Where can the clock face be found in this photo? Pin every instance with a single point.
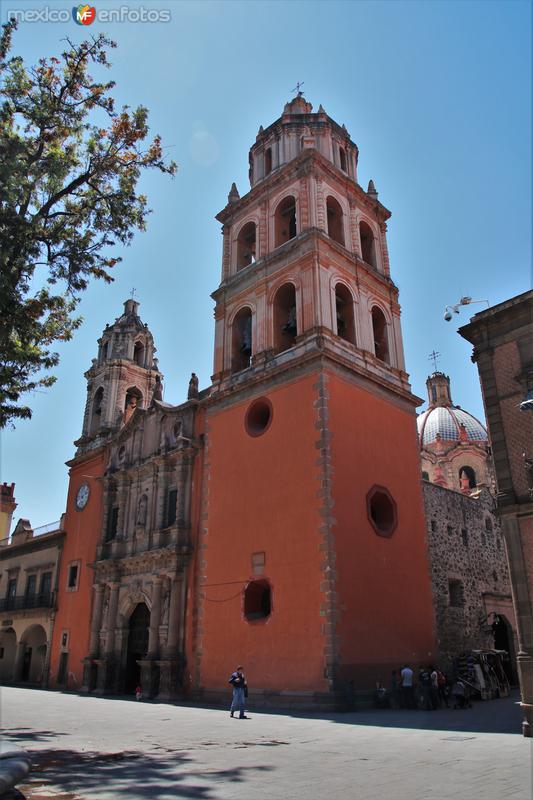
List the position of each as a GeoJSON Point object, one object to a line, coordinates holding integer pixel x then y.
{"type": "Point", "coordinates": [82, 496]}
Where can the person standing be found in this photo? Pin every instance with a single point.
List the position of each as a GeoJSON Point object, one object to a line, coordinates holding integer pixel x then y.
{"type": "Point", "coordinates": [240, 690]}
{"type": "Point", "coordinates": [407, 696]}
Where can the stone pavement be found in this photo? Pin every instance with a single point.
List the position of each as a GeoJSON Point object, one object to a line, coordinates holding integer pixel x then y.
{"type": "Point", "coordinates": [108, 749]}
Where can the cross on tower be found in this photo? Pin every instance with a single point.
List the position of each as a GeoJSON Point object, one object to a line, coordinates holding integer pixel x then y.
{"type": "Point", "coordinates": [297, 88]}
{"type": "Point", "coordinates": [133, 292]}
{"type": "Point", "coordinates": [434, 356]}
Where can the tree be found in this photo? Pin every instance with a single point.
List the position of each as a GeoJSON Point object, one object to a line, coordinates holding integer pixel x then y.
{"type": "Point", "coordinates": [69, 167]}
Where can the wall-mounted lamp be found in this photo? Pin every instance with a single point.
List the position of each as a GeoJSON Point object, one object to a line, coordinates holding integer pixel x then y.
{"type": "Point", "coordinates": [464, 301]}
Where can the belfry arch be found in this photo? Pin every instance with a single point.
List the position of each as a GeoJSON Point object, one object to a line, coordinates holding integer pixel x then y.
{"type": "Point", "coordinates": [246, 245]}
{"type": "Point", "coordinates": [379, 329]}
{"type": "Point", "coordinates": [285, 318]}
{"type": "Point", "coordinates": [344, 313]}
{"type": "Point", "coordinates": [241, 340]}
{"type": "Point", "coordinates": [368, 248]}
{"type": "Point", "coordinates": [285, 221]}
{"type": "Point", "coordinates": [335, 220]}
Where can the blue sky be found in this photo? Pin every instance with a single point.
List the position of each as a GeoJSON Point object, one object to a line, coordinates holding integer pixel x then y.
{"type": "Point", "coordinates": [437, 96]}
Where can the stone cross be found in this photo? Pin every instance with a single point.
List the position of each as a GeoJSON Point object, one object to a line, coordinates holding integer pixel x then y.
{"type": "Point", "coordinates": [297, 88]}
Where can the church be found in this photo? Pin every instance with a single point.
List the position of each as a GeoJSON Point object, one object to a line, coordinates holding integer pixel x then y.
{"type": "Point", "coordinates": [275, 518]}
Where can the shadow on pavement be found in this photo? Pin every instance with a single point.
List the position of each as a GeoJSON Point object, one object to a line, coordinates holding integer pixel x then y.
{"type": "Point", "coordinates": [67, 774]}
{"type": "Point", "coordinates": [28, 735]}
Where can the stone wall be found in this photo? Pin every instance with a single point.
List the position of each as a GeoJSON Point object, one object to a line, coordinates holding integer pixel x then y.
{"type": "Point", "coordinates": [469, 572]}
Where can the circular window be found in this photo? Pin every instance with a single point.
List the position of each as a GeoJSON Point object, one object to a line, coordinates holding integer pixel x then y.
{"type": "Point", "coordinates": [258, 417]}
{"type": "Point", "coordinates": [381, 509]}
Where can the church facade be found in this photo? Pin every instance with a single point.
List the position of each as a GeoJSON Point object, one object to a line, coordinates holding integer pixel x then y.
{"type": "Point", "coordinates": [269, 519]}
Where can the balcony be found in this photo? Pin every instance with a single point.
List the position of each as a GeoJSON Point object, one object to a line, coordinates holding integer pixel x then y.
{"type": "Point", "coordinates": [25, 602]}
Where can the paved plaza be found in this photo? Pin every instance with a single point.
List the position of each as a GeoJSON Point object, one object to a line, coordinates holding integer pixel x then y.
{"type": "Point", "coordinates": [97, 749]}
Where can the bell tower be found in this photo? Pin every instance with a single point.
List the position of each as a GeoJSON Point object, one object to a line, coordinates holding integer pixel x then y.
{"type": "Point", "coordinates": [123, 376]}
{"type": "Point", "coordinates": [305, 261]}
{"type": "Point", "coordinates": [312, 480]}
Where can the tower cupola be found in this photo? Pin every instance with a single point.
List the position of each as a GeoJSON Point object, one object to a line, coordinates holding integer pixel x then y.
{"type": "Point", "coordinates": [122, 377]}
{"type": "Point", "coordinates": [297, 129]}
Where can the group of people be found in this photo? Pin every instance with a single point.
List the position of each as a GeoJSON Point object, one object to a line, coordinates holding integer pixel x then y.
{"type": "Point", "coordinates": [431, 690]}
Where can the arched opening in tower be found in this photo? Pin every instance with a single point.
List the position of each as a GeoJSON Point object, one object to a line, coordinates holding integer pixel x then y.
{"type": "Point", "coordinates": [342, 156]}
{"type": "Point", "coordinates": [96, 410]}
{"type": "Point", "coordinates": [285, 221]}
{"type": "Point", "coordinates": [138, 354]}
{"type": "Point", "coordinates": [344, 312]}
{"type": "Point", "coordinates": [268, 161]}
{"type": "Point", "coordinates": [285, 321]}
{"type": "Point", "coordinates": [335, 222]}
{"type": "Point", "coordinates": [379, 328]}
{"type": "Point", "coordinates": [241, 340]}
{"type": "Point", "coordinates": [246, 246]}
{"type": "Point", "coordinates": [368, 250]}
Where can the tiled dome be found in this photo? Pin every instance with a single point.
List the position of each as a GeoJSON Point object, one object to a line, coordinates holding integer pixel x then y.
{"type": "Point", "coordinates": [447, 420]}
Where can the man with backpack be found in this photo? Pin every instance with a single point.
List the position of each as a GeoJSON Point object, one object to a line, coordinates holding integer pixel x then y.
{"type": "Point", "coordinates": [240, 691]}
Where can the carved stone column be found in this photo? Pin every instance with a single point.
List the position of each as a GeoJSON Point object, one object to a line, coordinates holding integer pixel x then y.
{"type": "Point", "coordinates": [96, 621]}
{"type": "Point", "coordinates": [155, 619]}
{"type": "Point", "coordinates": [171, 666]}
{"type": "Point", "coordinates": [106, 665]}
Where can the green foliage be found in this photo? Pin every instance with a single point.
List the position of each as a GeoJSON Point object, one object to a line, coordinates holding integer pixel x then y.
{"type": "Point", "coordinates": [68, 193]}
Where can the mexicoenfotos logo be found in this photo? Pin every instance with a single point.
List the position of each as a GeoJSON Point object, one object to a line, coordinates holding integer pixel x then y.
{"type": "Point", "coordinates": [84, 15]}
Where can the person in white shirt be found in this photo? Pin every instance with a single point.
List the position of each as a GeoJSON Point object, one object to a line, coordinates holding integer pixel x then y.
{"type": "Point", "coordinates": [406, 686]}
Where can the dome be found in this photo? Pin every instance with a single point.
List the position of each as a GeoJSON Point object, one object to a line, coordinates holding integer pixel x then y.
{"type": "Point", "coordinates": [447, 420]}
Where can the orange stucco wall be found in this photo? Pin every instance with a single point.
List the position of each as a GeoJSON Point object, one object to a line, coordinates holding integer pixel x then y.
{"type": "Point", "coordinates": [386, 614]}
{"type": "Point", "coordinates": [265, 495]}
{"type": "Point", "coordinates": [262, 498]}
{"type": "Point", "coordinates": [83, 529]}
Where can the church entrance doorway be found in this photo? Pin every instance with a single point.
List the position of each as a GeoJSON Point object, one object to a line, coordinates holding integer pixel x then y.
{"type": "Point", "coordinates": [137, 646]}
{"type": "Point", "coordinates": [503, 640]}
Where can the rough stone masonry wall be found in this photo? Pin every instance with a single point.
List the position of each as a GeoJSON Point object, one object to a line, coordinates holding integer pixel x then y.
{"type": "Point", "coordinates": [461, 548]}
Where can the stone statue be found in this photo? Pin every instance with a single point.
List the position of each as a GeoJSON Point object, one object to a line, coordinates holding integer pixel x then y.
{"type": "Point", "coordinates": [158, 389]}
{"type": "Point", "coordinates": [141, 510]}
{"type": "Point", "coordinates": [192, 394]}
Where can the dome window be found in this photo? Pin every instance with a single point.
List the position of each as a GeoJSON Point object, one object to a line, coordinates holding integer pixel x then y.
{"type": "Point", "coordinates": [467, 474]}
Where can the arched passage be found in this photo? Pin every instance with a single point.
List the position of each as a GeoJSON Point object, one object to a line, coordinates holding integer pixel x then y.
{"type": "Point", "coordinates": [138, 626]}
{"type": "Point", "coordinates": [503, 640]}
{"type": "Point", "coordinates": [133, 398]}
{"type": "Point", "coordinates": [241, 340]}
{"type": "Point", "coordinates": [8, 649]}
{"type": "Point", "coordinates": [285, 221]}
{"type": "Point", "coordinates": [368, 250]}
{"type": "Point", "coordinates": [335, 220]}
{"type": "Point", "coordinates": [246, 245]}
{"type": "Point", "coordinates": [285, 320]}
{"type": "Point", "coordinates": [34, 656]}
{"type": "Point", "coordinates": [344, 312]}
{"type": "Point", "coordinates": [379, 329]}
